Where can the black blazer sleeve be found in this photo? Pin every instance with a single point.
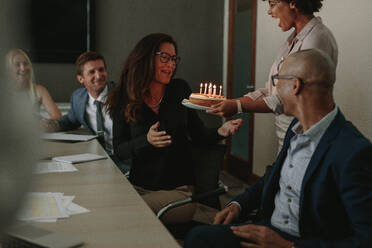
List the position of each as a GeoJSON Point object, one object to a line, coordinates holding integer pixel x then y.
{"type": "Point", "coordinates": [126, 146]}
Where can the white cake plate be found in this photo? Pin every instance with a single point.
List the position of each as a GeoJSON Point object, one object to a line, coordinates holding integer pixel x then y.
{"type": "Point", "coordinates": [188, 104]}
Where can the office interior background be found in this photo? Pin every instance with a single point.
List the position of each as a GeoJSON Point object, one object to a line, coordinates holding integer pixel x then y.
{"type": "Point", "coordinates": [200, 29]}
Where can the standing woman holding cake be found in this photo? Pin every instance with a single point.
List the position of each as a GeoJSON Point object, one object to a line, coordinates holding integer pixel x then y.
{"type": "Point", "coordinates": [153, 128]}
{"type": "Point", "coordinates": [309, 32]}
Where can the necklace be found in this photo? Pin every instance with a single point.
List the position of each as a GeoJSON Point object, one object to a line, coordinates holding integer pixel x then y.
{"type": "Point", "coordinates": [156, 105]}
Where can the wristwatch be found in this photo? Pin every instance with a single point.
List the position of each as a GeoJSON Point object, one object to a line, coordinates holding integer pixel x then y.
{"type": "Point", "coordinates": [239, 107]}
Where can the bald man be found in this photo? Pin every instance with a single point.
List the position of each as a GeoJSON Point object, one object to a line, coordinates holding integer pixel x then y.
{"type": "Point", "coordinates": [319, 192]}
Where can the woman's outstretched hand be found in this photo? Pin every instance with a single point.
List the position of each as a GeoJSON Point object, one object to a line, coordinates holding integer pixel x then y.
{"type": "Point", "coordinates": [225, 108]}
{"type": "Point", "coordinates": [158, 138]}
{"type": "Point", "coordinates": [230, 127]}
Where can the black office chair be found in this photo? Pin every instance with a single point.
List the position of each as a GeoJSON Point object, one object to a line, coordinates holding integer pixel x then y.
{"type": "Point", "coordinates": [180, 231]}
{"type": "Point", "coordinates": [202, 197]}
{"type": "Point", "coordinates": [208, 162]}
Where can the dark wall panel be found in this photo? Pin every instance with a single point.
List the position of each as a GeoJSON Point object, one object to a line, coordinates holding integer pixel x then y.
{"type": "Point", "coordinates": [196, 25]}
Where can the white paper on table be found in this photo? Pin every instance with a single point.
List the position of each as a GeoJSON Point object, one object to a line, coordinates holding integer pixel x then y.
{"type": "Point", "coordinates": [42, 206]}
{"type": "Point", "coordinates": [45, 220]}
{"type": "Point", "coordinates": [53, 166]}
{"type": "Point", "coordinates": [74, 208]}
{"type": "Point", "coordinates": [67, 200]}
{"type": "Point", "coordinates": [71, 209]}
{"type": "Point", "coordinates": [67, 137]}
{"type": "Point", "coordinates": [79, 158]}
{"type": "Point", "coordinates": [38, 207]}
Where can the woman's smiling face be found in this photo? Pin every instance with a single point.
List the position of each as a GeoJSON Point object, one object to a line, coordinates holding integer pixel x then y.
{"type": "Point", "coordinates": [21, 70]}
{"type": "Point", "coordinates": [164, 71]}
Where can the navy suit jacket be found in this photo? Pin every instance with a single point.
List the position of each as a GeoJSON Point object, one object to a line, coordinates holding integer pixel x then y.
{"type": "Point", "coordinates": [336, 193]}
{"type": "Point", "coordinates": [76, 115]}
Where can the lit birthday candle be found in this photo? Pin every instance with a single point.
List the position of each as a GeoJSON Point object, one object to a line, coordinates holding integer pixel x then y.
{"type": "Point", "coordinates": [214, 90]}
{"type": "Point", "coordinates": [220, 91]}
{"type": "Point", "coordinates": [210, 89]}
{"type": "Point", "coordinates": [201, 88]}
{"type": "Point", "coordinates": [205, 88]}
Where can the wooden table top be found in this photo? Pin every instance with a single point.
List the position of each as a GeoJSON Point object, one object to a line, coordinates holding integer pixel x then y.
{"type": "Point", "coordinates": [118, 216]}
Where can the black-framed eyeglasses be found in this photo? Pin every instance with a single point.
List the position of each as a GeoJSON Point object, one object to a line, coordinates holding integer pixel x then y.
{"type": "Point", "coordinates": [275, 78]}
{"type": "Point", "coordinates": [165, 57]}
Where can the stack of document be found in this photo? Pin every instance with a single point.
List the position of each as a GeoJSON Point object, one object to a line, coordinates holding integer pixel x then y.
{"type": "Point", "coordinates": [78, 158]}
{"type": "Point", "coordinates": [49, 207]}
{"type": "Point", "coordinates": [67, 137]}
{"type": "Point", "coordinates": [53, 166]}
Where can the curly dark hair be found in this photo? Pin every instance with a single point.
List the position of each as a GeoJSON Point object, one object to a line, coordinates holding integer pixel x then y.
{"type": "Point", "coordinates": [136, 75]}
{"type": "Point", "coordinates": [306, 7]}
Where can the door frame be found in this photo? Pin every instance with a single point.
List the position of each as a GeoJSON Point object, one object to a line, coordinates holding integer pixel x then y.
{"type": "Point", "coordinates": [234, 164]}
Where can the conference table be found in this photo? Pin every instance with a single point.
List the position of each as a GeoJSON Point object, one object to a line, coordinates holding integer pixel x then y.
{"type": "Point", "coordinates": [118, 216]}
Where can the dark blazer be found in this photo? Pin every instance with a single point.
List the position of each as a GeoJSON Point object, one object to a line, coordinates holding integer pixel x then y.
{"type": "Point", "coordinates": [76, 115]}
{"type": "Point", "coordinates": [168, 167]}
{"type": "Point", "coordinates": [336, 195]}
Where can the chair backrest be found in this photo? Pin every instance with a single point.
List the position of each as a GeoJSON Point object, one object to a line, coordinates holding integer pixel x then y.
{"type": "Point", "coordinates": [208, 162]}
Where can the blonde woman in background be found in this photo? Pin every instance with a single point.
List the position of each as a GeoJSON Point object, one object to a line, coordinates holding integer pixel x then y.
{"type": "Point", "coordinates": [22, 74]}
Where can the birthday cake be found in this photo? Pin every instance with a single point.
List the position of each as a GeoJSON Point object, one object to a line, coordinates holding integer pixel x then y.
{"type": "Point", "coordinates": [205, 100]}
{"type": "Point", "coordinates": [208, 96]}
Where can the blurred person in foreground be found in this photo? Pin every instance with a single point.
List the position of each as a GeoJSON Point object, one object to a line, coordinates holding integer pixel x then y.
{"type": "Point", "coordinates": [19, 150]}
{"type": "Point", "coordinates": [319, 192]}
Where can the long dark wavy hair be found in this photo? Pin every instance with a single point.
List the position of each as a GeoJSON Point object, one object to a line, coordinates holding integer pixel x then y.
{"type": "Point", "coordinates": [136, 75]}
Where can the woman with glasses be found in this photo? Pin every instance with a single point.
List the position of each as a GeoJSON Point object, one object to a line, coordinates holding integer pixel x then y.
{"type": "Point", "coordinates": [308, 32]}
{"type": "Point", "coordinates": [153, 128]}
{"type": "Point", "coordinates": [22, 75]}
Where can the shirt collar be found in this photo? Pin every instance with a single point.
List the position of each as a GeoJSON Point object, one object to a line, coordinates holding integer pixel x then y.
{"type": "Point", "coordinates": [308, 27]}
{"type": "Point", "coordinates": [316, 132]}
{"type": "Point", "coordinates": [101, 98]}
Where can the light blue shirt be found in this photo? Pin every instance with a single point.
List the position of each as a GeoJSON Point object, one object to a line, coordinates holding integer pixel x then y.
{"type": "Point", "coordinates": [302, 146]}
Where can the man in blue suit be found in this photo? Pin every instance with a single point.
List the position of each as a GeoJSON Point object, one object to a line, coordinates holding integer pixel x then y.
{"type": "Point", "coordinates": [319, 192]}
{"type": "Point", "coordinates": [87, 104]}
